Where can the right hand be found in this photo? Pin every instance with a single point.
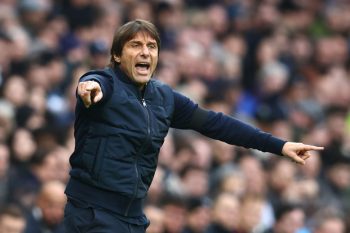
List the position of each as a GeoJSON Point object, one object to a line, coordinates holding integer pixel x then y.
{"type": "Point", "coordinates": [90, 92]}
{"type": "Point", "coordinates": [298, 152]}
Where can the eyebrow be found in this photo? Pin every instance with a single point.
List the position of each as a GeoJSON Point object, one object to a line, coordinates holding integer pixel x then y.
{"type": "Point", "coordinates": [139, 41]}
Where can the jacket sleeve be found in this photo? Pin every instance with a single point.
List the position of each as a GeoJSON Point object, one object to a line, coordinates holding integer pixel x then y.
{"type": "Point", "coordinates": [184, 109]}
{"type": "Point", "coordinates": [187, 115]}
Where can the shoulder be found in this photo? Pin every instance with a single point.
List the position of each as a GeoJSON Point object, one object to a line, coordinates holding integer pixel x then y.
{"type": "Point", "coordinates": [156, 83]}
{"type": "Point", "coordinates": [162, 87]}
{"type": "Point", "coordinates": [98, 74]}
{"type": "Point", "coordinates": [163, 92]}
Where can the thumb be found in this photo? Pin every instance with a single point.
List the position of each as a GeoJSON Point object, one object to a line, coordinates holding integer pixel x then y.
{"type": "Point", "coordinates": [295, 158]}
{"type": "Point", "coordinates": [98, 97]}
{"type": "Point", "coordinates": [86, 98]}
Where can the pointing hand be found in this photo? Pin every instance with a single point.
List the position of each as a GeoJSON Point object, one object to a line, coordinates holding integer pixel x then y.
{"type": "Point", "coordinates": [90, 92]}
{"type": "Point", "coordinates": [298, 152]}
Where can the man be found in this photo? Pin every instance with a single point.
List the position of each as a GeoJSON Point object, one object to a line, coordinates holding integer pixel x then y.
{"type": "Point", "coordinates": [289, 219]}
{"type": "Point", "coordinates": [198, 215]}
{"type": "Point", "coordinates": [225, 214]}
{"type": "Point", "coordinates": [122, 118]}
{"type": "Point", "coordinates": [330, 224]}
{"type": "Point", "coordinates": [12, 220]}
{"type": "Point", "coordinates": [330, 219]}
{"type": "Point", "coordinates": [156, 217]}
{"type": "Point", "coordinates": [47, 214]}
{"type": "Point", "coordinates": [4, 173]}
{"type": "Point", "coordinates": [175, 212]}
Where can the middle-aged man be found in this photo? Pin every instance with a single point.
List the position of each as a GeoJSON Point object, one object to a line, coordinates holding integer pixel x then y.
{"type": "Point", "coordinates": [122, 118]}
{"type": "Point", "coordinates": [12, 219]}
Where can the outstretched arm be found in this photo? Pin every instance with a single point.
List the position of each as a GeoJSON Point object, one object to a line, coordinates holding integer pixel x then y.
{"type": "Point", "coordinates": [218, 126]}
{"type": "Point", "coordinates": [298, 152]}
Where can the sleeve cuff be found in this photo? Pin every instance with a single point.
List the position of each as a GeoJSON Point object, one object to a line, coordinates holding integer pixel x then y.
{"type": "Point", "coordinates": [276, 145]}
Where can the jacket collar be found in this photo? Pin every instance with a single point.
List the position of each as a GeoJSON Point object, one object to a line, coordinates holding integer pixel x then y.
{"type": "Point", "coordinates": [122, 76]}
{"type": "Point", "coordinates": [125, 79]}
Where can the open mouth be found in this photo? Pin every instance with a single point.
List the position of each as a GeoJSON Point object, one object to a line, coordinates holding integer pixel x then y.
{"type": "Point", "coordinates": [142, 67]}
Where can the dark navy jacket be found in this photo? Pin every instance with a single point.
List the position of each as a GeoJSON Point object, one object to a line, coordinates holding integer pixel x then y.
{"type": "Point", "coordinates": [118, 139]}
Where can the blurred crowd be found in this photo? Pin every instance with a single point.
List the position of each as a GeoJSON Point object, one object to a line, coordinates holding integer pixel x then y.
{"type": "Point", "coordinates": [280, 65]}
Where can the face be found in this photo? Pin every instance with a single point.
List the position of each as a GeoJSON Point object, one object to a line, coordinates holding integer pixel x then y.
{"type": "Point", "coordinates": [156, 218]}
{"type": "Point", "coordinates": [174, 217]}
{"type": "Point", "coordinates": [291, 222]}
{"type": "Point", "coordinates": [11, 224]}
{"type": "Point", "coordinates": [226, 211]}
{"type": "Point", "coordinates": [332, 225]}
{"type": "Point", "coordinates": [139, 58]}
{"type": "Point", "coordinates": [51, 202]}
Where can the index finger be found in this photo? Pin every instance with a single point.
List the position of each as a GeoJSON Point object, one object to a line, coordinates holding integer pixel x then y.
{"type": "Point", "coordinates": [91, 85]}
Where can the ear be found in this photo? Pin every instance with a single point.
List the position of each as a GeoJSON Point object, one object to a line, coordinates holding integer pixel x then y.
{"type": "Point", "coordinates": [116, 58]}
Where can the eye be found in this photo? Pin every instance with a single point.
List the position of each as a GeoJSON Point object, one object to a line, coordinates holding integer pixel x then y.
{"type": "Point", "coordinates": [152, 46]}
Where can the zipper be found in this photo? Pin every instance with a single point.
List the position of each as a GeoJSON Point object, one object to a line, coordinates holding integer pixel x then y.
{"type": "Point", "coordinates": [143, 101]}
{"type": "Point", "coordinates": [144, 104]}
{"type": "Point", "coordinates": [148, 120]}
{"type": "Point", "coordinates": [148, 137]}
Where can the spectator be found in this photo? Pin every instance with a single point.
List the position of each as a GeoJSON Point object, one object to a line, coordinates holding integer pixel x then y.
{"type": "Point", "coordinates": [194, 181]}
{"type": "Point", "coordinates": [156, 218]}
{"type": "Point", "coordinates": [47, 214]}
{"type": "Point", "coordinates": [26, 183]}
{"type": "Point", "coordinates": [23, 147]}
{"type": "Point", "coordinates": [251, 211]}
{"type": "Point", "coordinates": [174, 214]}
{"type": "Point", "coordinates": [198, 215]}
{"type": "Point", "coordinates": [12, 220]}
{"type": "Point", "coordinates": [157, 188]}
{"type": "Point", "coordinates": [337, 184]}
{"type": "Point", "coordinates": [229, 179]}
{"type": "Point", "coordinates": [225, 214]}
{"type": "Point", "coordinates": [281, 176]}
{"type": "Point", "coordinates": [329, 219]}
{"type": "Point", "coordinates": [4, 173]}
{"type": "Point", "coordinates": [7, 120]}
{"type": "Point", "coordinates": [99, 54]}
{"type": "Point", "coordinates": [256, 185]}
{"type": "Point", "coordinates": [330, 224]}
{"type": "Point", "coordinates": [289, 219]}
{"type": "Point", "coordinates": [16, 91]}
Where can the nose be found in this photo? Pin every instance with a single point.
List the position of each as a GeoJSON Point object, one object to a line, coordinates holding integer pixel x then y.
{"type": "Point", "coordinates": [145, 51]}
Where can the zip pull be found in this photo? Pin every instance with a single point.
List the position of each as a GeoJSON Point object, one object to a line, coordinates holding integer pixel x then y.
{"type": "Point", "coordinates": [144, 102]}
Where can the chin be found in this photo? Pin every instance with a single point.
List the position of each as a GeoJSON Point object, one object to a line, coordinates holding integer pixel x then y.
{"type": "Point", "coordinates": [143, 80]}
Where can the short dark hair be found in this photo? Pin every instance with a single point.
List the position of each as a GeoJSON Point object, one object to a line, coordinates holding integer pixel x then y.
{"type": "Point", "coordinates": [127, 31]}
{"type": "Point", "coordinates": [284, 208]}
{"type": "Point", "coordinates": [13, 211]}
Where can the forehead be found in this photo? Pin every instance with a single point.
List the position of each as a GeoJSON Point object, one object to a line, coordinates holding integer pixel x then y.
{"type": "Point", "coordinates": [143, 36]}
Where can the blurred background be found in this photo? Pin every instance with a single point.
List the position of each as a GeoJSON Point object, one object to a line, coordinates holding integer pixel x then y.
{"type": "Point", "coordinates": [280, 65]}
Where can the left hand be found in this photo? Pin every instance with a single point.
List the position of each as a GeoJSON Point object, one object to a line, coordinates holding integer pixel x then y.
{"type": "Point", "coordinates": [298, 152]}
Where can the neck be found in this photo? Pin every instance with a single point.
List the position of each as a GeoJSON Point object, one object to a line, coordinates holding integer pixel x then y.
{"type": "Point", "coordinates": [141, 87]}
{"type": "Point", "coordinates": [126, 78]}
